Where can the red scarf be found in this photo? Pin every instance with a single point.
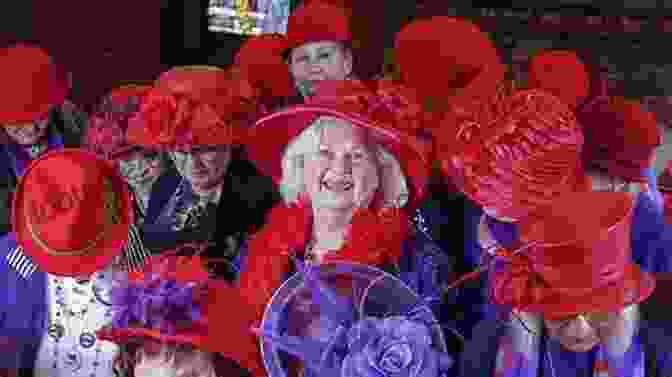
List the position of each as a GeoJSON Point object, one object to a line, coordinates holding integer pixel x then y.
{"type": "Point", "coordinates": [374, 238]}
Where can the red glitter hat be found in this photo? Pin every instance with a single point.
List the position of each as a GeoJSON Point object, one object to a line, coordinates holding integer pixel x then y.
{"type": "Point", "coordinates": [317, 21]}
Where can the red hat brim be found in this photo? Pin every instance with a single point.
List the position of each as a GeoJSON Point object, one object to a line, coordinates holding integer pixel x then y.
{"type": "Point", "coordinates": [635, 287]}
{"type": "Point", "coordinates": [107, 247]}
{"type": "Point", "coordinates": [128, 335]}
{"type": "Point", "coordinates": [267, 140]}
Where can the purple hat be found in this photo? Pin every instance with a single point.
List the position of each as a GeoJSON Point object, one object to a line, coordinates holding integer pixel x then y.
{"type": "Point", "coordinates": [350, 320]}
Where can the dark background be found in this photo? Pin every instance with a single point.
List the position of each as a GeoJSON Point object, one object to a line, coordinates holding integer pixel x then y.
{"type": "Point", "coordinates": [104, 43]}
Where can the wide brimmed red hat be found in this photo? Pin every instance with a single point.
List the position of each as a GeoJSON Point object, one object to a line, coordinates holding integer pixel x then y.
{"type": "Point", "coordinates": [194, 106]}
{"type": "Point", "coordinates": [448, 58]}
{"type": "Point", "coordinates": [32, 84]}
{"type": "Point", "coordinates": [317, 21]}
{"type": "Point", "coordinates": [261, 61]}
{"type": "Point", "coordinates": [522, 160]}
{"type": "Point", "coordinates": [166, 302]}
{"type": "Point", "coordinates": [71, 212]}
{"type": "Point", "coordinates": [561, 73]}
{"type": "Point", "coordinates": [106, 130]}
{"type": "Point", "coordinates": [621, 137]}
{"type": "Point", "coordinates": [577, 260]}
{"type": "Point", "coordinates": [381, 109]}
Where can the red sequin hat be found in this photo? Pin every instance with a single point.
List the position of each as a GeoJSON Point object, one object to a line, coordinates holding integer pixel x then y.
{"type": "Point", "coordinates": [621, 137]}
{"type": "Point", "coordinates": [448, 58]}
{"type": "Point", "coordinates": [391, 117]}
{"type": "Point", "coordinates": [194, 106]}
{"type": "Point", "coordinates": [32, 84]}
{"type": "Point", "coordinates": [561, 73]}
{"type": "Point", "coordinates": [576, 260]}
{"type": "Point", "coordinates": [317, 21]}
{"type": "Point", "coordinates": [527, 156]}
{"type": "Point", "coordinates": [106, 130]}
{"type": "Point", "coordinates": [73, 226]}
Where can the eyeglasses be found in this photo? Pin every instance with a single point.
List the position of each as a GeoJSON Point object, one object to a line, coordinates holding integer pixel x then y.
{"type": "Point", "coordinates": [596, 320]}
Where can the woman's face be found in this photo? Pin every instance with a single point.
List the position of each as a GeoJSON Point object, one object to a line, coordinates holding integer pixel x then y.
{"type": "Point", "coordinates": [141, 168]}
{"type": "Point", "coordinates": [165, 360]}
{"type": "Point", "coordinates": [27, 133]}
{"type": "Point", "coordinates": [582, 333]}
{"type": "Point", "coordinates": [318, 61]}
{"type": "Point", "coordinates": [343, 173]}
{"type": "Point", "coordinates": [204, 168]}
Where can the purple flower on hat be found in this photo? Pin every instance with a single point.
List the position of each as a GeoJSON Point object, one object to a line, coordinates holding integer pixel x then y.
{"type": "Point", "coordinates": [162, 304]}
{"type": "Point", "coordinates": [393, 346]}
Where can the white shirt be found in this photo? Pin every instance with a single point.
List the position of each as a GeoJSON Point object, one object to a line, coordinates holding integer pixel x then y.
{"type": "Point", "coordinates": [74, 327]}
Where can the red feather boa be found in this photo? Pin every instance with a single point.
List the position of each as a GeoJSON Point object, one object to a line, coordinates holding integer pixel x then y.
{"type": "Point", "coordinates": [374, 238]}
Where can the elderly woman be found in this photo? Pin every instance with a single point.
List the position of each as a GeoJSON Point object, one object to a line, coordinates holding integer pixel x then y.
{"type": "Point", "coordinates": [30, 116]}
{"type": "Point", "coordinates": [167, 337]}
{"type": "Point", "coordinates": [198, 115]}
{"type": "Point", "coordinates": [142, 168]}
{"type": "Point", "coordinates": [577, 301]}
{"type": "Point", "coordinates": [348, 172]}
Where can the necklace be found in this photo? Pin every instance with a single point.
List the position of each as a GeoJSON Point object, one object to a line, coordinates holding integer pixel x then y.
{"type": "Point", "coordinates": [74, 300]}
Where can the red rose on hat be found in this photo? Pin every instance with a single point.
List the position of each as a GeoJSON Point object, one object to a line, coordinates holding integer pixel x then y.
{"type": "Point", "coordinates": [575, 261]}
{"type": "Point", "coordinates": [562, 74]}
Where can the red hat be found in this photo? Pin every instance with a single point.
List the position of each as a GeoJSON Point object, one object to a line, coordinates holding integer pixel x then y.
{"type": "Point", "coordinates": [192, 106]}
{"type": "Point", "coordinates": [167, 301]}
{"type": "Point", "coordinates": [261, 60]}
{"type": "Point", "coordinates": [317, 21]}
{"type": "Point", "coordinates": [522, 160]}
{"type": "Point", "coordinates": [32, 84]}
{"type": "Point", "coordinates": [621, 137]}
{"type": "Point", "coordinates": [106, 130]}
{"type": "Point", "coordinates": [576, 260]}
{"type": "Point", "coordinates": [391, 120]}
{"type": "Point", "coordinates": [561, 73]}
{"type": "Point", "coordinates": [447, 57]}
{"type": "Point", "coordinates": [73, 226]}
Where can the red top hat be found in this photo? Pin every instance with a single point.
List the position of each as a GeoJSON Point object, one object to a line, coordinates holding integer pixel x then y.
{"type": "Point", "coordinates": [194, 106]}
{"type": "Point", "coordinates": [166, 302]}
{"type": "Point", "coordinates": [462, 68]}
{"type": "Point", "coordinates": [562, 74]}
{"type": "Point", "coordinates": [261, 60]}
{"type": "Point", "coordinates": [524, 159]}
{"type": "Point", "coordinates": [577, 261]}
{"type": "Point", "coordinates": [621, 137]}
{"type": "Point", "coordinates": [106, 129]}
{"type": "Point", "coordinates": [32, 84]}
{"type": "Point", "coordinates": [317, 21]}
{"type": "Point", "coordinates": [390, 121]}
{"type": "Point", "coordinates": [73, 226]}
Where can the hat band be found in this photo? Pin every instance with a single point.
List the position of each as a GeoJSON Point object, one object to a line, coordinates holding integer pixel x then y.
{"type": "Point", "coordinates": [111, 218]}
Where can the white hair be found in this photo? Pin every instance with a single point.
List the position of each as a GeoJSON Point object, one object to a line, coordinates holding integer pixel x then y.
{"type": "Point", "coordinates": [392, 179]}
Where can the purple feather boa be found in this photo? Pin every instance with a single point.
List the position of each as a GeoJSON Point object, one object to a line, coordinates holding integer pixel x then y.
{"type": "Point", "coordinates": [156, 303]}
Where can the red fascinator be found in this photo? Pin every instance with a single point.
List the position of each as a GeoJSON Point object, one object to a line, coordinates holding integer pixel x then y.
{"type": "Point", "coordinates": [261, 61]}
{"type": "Point", "coordinates": [106, 129]}
{"type": "Point", "coordinates": [446, 57]}
{"type": "Point", "coordinates": [562, 74]}
{"type": "Point", "coordinates": [390, 116]}
{"type": "Point", "coordinates": [577, 261]}
{"type": "Point", "coordinates": [32, 84]}
{"type": "Point", "coordinates": [621, 137]}
{"type": "Point", "coordinates": [317, 21]}
{"type": "Point", "coordinates": [167, 301]}
{"type": "Point", "coordinates": [524, 159]}
{"type": "Point", "coordinates": [194, 106]}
